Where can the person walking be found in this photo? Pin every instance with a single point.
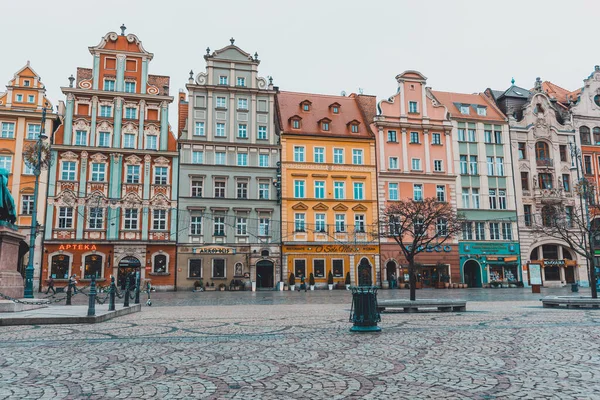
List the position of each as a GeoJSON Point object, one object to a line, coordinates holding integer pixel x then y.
{"type": "Point", "coordinates": [303, 283]}
{"type": "Point", "coordinates": [50, 283]}
{"type": "Point", "coordinates": [73, 283]}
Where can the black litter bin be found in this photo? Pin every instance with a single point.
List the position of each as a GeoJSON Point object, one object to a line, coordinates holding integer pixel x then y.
{"type": "Point", "coordinates": [364, 314]}
{"type": "Point", "coordinates": [574, 287]}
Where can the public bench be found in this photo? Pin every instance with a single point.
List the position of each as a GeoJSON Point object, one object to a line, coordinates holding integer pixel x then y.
{"type": "Point", "coordinates": [416, 305]}
{"type": "Point", "coordinates": [570, 302]}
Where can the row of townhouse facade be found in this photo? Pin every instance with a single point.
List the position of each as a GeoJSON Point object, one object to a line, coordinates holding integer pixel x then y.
{"type": "Point", "coordinates": [258, 183]}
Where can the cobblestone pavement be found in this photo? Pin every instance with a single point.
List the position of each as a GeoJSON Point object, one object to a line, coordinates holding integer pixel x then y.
{"type": "Point", "coordinates": [508, 349]}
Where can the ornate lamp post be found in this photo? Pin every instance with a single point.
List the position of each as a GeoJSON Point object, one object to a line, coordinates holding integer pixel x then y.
{"type": "Point", "coordinates": [34, 224]}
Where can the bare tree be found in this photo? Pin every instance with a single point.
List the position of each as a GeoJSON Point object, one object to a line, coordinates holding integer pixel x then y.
{"type": "Point", "coordinates": [577, 226]}
{"type": "Point", "coordinates": [415, 225]}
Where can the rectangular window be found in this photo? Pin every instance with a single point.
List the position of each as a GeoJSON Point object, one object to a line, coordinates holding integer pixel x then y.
{"type": "Point", "coordinates": [299, 189]}
{"type": "Point", "coordinates": [195, 268]}
{"type": "Point", "coordinates": [494, 231]}
{"type": "Point", "coordinates": [299, 153]}
{"type": "Point", "coordinates": [393, 162]}
{"type": "Point", "coordinates": [500, 166]}
{"type": "Point", "coordinates": [418, 192]}
{"type": "Point", "coordinates": [461, 135]}
{"type": "Point", "coordinates": [413, 107]}
{"type": "Point", "coordinates": [109, 85]}
{"type": "Point", "coordinates": [68, 170]}
{"type": "Point", "coordinates": [199, 129]}
{"type": "Point", "coordinates": [33, 131]}
{"type": "Point", "coordinates": [359, 191]}
{"type": "Point", "coordinates": [151, 142]}
{"type": "Point", "coordinates": [563, 152]}
{"type": "Point", "coordinates": [545, 181]}
{"type": "Point", "coordinates": [159, 220]}
{"type": "Point", "coordinates": [241, 226]}
{"type": "Point", "coordinates": [197, 188]}
{"type": "Point", "coordinates": [490, 166]}
{"type": "Point", "coordinates": [569, 216]}
{"type": "Point", "coordinates": [28, 169]}
{"type": "Point", "coordinates": [98, 172]}
{"type": "Point", "coordinates": [160, 175]}
{"type": "Point", "coordinates": [218, 270]}
{"type": "Point", "coordinates": [262, 105]}
{"type": "Point", "coordinates": [242, 190]}
{"type": "Point", "coordinates": [220, 158]}
{"type": "Point", "coordinates": [467, 231]}
{"type": "Point", "coordinates": [463, 165]}
{"type": "Point", "coordinates": [264, 226]}
{"type": "Point", "coordinates": [482, 111]}
{"type": "Point", "coordinates": [242, 159]}
{"type": "Point", "coordinates": [502, 199]}
{"type": "Point", "coordinates": [19, 98]}
{"type": "Point", "coordinates": [414, 137]}
{"type": "Point", "coordinates": [438, 165]}
{"type": "Point", "coordinates": [197, 157]}
{"type": "Point", "coordinates": [475, 197]}
{"type": "Point", "coordinates": [219, 226]}
{"type": "Point", "coordinates": [416, 164]}
{"type": "Point", "coordinates": [525, 180]}
{"type": "Point", "coordinates": [262, 132]}
{"type": "Point", "coordinates": [300, 267]}
{"type": "Point", "coordinates": [319, 154]}
{"type": "Point", "coordinates": [242, 104]}
{"type": "Point", "coordinates": [339, 190]}
{"type": "Point", "coordinates": [222, 80]}
{"type": "Point", "coordinates": [357, 157]}
{"type": "Point", "coordinates": [338, 156]}
{"type": "Point", "coordinates": [587, 161]}
{"type": "Point", "coordinates": [299, 222]}
{"type": "Point", "coordinates": [131, 218]}
{"type": "Point", "coordinates": [65, 217]}
{"type": "Point", "coordinates": [506, 231]}
{"type": "Point", "coordinates": [359, 223]}
{"type": "Point", "coordinates": [133, 174]}
{"type": "Point", "coordinates": [129, 141]}
{"type": "Point", "coordinates": [473, 165]}
{"type": "Point", "coordinates": [337, 265]}
{"type": "Point", "coordinates": [320, 222]}
{"type": "Point", "coordinates": [129, 87]}
{"type": "Point", "coordinates": [80, 138]}
{"type": "Point", "coordinates": [106, 111]}
{"type": "Point", "coordinates": [464, 110]}
{"type": "Point", "coordinates": [392, 137]}
{"type": "Point", "coordinates": [527, 214]}
{"type": "Point", "coordinates": [440, 192]}
{"type": "Point", "coordinates": [325, 126]}
{"type": "Point", "coordinates": [263, 190]}
{"type": "Point", "coordinates": [196, 225]}
{"type": "Point", "coordinates": [465, 197]}
{"type": "Point", "coordinates": [242, 131]}
{"type": "Point", "coordinates": [393, 191]}
{"type": "Point", "coordinates": [566, 180]}
{"type": "Point", "coordinates": [219, 189]}
{"type": "Point", "coordinates": [436, 138]}
{"type": "Point", "coordinates": [487, 136]}
{"type": "Point", "coordinates": [26, 83]}
{"type": "Point", "coordinates": [96, 218]}
{"type": "Point", "coordinates": [340, 222]}
{"type": "Point", "coordinates": [104, 139]}
{"type": "Point", "coordinates": [479, 230]}
{"type": "Point", "coordinates": [441, 227]}
{"type": "Point", "coordinates": [498, 137]}
{"type": "Point", "coordinates": [471, 135]}
{"type": "Point", "coordinates": [241, 81]}
{"type": "Point", "coordinates": [27, 204]}
{"type": "Point", "coordinates": [493, 203]}
{"type": "Point", "coordinates": [319, 189]}
{"type": "Point", "coordinates": [263, 160]}
{"type": "Point", "coordinates": [130, 113]}
{"type": "Point", "coordinates": [296, 124]}
{"type": "Point", "coordinates": [522, 151]}
{"type": "Point", "coordinates": [220, 132]}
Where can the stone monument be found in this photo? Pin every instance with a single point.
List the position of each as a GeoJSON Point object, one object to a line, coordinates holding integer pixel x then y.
{"type": "Point", "coordinates": [11, 281]}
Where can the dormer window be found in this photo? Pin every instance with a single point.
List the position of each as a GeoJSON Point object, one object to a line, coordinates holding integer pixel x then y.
{"type": "Point", "coordinates": [305, 105]}
{"type": "Point", "coordinates": [482, 111]}
{"type": "Point", "coordinates": [325, 122]}
{"type": "Point", "coordinates": [464, 109]}
{"type": "Point", "coordinates": [353, 126]}
{"type": "Point", "coordinates": [335, 108]}
{"type": "Point", "coordinates": [295, 121]}
{"type": "Point", "coordinates": [26, 82]}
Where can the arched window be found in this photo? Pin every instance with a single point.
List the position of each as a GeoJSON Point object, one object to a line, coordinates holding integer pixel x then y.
{"type": "Point", "coordinates": [59, 268]}
{"type": "Point", "coordinates": [542, 151]}
{"type": "Point", "coordinates": [596, 132]}
{"type": "Point", "coordinates": [92, 266]}
{"type": "Point", "coordinates": [548, 215]}
{"type": "Point", "coordinates": [584, 133]}
{"type": "Point", "coordinates": [160, 263]}
{"type": "Point", "coordinates": [264, 253]}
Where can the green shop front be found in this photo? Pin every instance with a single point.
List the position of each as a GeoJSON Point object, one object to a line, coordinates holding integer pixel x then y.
{"type": "Point", "coordinates": [485, 262]}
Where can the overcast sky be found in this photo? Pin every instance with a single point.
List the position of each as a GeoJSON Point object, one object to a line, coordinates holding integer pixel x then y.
{"type": "Point", "coordinates": [318, 46]}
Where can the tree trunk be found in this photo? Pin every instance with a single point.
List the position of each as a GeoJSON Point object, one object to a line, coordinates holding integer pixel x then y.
{"type": "Point", "coordinates": [412, 280]}
{"type": "Point", "coordinates": [593, 278]}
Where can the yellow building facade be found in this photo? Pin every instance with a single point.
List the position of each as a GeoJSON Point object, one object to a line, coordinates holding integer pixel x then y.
{"type": "Point", "coordinates": [20, 126]}
{"type": "Point", "coordinates": [328, 188]}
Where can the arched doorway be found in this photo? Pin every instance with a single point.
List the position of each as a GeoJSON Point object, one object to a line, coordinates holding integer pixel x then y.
{"type": "Point", "coordinates": [472, 273]}
{"type": "Point", "coordinates": [127, 266]}
{"type": "Point", "coordinates": [264, 274]}
{"type": "Point", "coordinates": [391, 274]}
{"type": "Point", "coordinates": [365, 275]}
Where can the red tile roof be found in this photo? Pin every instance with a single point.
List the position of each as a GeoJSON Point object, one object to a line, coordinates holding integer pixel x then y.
{"type": "Point", "coordinates": [451, 100]}
{"type": "Point", "coordinates": [183, 107]}
{"type": "Point", "coordinates": [289, 107]}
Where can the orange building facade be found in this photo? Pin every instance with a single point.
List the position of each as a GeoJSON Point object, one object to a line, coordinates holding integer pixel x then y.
{"type": "Point", "coordinates": [112, 200]}
{"type": "Point", "coordinates": [329, 187]}
{"type": "Point", "coordinates": [415, 160]}
{"type": "Point", "coordinates": [20, 126]}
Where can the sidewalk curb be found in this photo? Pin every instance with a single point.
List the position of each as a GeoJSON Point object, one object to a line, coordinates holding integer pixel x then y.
{"type": "Point", "coordinates": [11, 321]}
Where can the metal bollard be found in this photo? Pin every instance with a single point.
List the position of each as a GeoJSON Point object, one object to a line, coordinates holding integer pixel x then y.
{"type": "Point", "coordinates": [149, 302]}
{"type": "Point", "coordinates": [112, 294]}
{"type": "Point", "coordinates": [92, 298]}
{"type": "Point", "coordinates": [137, 288]}
{"type": "Point", "coordinates": [126, 302]}
{"type": "Point", "coordinates": [69, 295]}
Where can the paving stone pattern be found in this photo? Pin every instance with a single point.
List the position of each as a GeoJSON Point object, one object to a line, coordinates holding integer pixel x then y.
{"type": "Point", "coordinates": [505, 349]}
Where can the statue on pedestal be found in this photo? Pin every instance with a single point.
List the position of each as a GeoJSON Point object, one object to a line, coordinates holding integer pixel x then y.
{"type": "Point", "coordinates": [8, 211]}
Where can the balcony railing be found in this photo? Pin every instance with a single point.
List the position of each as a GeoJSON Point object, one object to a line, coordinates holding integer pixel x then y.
{"type": "Point", "coordinates": [544, 162]}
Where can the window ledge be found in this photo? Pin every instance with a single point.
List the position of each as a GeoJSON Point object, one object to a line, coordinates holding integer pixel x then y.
{"type": "Point", "coordinates": [414, 142]}
{"type": "Point", "coordinates": [393, 141]}
{"type": "Point", "coordinates": [159, 273]}
{"type": "Point", "coordinates": [221, 108]}
{"type": "Point", "coordinates": [436, 144]}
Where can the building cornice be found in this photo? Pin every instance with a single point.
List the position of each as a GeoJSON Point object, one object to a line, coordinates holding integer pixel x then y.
{"type": "Point", "coordinates": [104, 93]}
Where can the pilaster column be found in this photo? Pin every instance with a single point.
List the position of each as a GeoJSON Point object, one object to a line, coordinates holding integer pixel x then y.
{"type": "Point", "coordinates": [147, 177]}
{"type": "Point", "coordinates": [120, 84]}
{"type": "Point", "coordinates": [164, 126]}
{"type": "Point", "coordinates": [96, 72]}
{"type": "Point", "coordinates": [117, 122]}
{"type": "Point", "coordinates": [142, 117]}
{"type": "Point", "coordinates": [381, 145]}
{"type": "Point", "coordinates": [404, 152]}
{"type": "Point", "coordinates": [49, 226]}
{"type": "Point", "coordinates": [231, 119]}
{"type": "Point", "coordinates": [402, 99]}
{"type": "Point", "coordinates": [145, 218]}
{"type": "Point", "coordinates": [115, 223]}
{"type": "Point", "coordinates": [144, 80]}
{"type": "Point", "coordinates": [427, 151]}
{"type": "Point", "coordinates": [93, 121]}
{"type": "Point", "coordinates": [424, 100]}
{"type": "Point", "coordinates": [68, 131]}
{"type": "Point", "coordinates": [448, 144]}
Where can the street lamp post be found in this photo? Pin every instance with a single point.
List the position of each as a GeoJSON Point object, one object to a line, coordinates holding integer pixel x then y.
{"type": "Point", "coordinates": [34, 224]}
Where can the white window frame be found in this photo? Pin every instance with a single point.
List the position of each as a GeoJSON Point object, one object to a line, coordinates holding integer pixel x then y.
{"type": "Point", "coordinates": [338, 156]}
{"type": "Point", "coordinates": [299, 153]}
{"type": "Point", "coordinates": [357, 157]}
